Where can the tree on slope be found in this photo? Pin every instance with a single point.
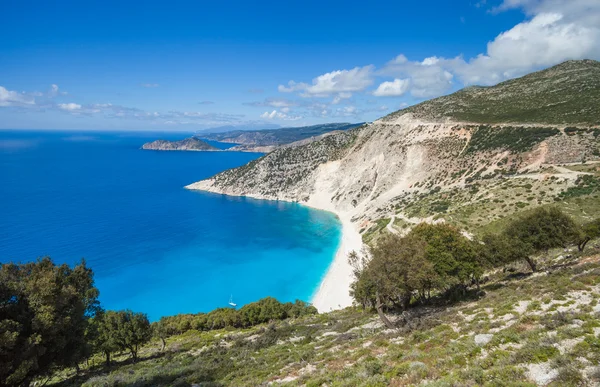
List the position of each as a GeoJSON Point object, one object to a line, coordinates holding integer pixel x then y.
{"type": "Point", "coordinates": [44, 316]}
{"type": "Point", "coordinates": [455, 258]}
{"type": "Point", "coordinates": [123, 330]}
{"type": "Point", "coordinates": [541, 230]}
{"type": "Point", "coordinates": [398, 269]}
{"type": "Point", "coordinates": [589, 231]}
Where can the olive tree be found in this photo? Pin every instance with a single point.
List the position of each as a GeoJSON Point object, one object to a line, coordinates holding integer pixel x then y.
{"type": "Point", "coordinates": [543, 229]}
{"type": "Point", "coordinates": [123, 330]}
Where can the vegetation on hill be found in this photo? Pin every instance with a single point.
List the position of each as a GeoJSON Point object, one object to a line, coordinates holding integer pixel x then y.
{"type": "Point", "coordinates": [287, 166]}
{"type": "Point", "coordinates": [436, 260]}
{"type": "Point", "coordinates": [51, 320]}
{"type": "Point", "coordinates": [568, 93]}
{"type": "Point", "coordinates": [514, 139]}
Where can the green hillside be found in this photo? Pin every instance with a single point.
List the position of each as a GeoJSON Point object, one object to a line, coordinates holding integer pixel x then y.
{"type": "Point", "coordinates": [568, 93]}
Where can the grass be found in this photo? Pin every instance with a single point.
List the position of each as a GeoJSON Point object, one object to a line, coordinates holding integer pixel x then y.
{"type": "Point", "coordinates": [514, 139]}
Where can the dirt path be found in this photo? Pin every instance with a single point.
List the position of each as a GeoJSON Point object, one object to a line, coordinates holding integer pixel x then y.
{"type": "Point", "coordinates": [390, 225]}
{"type": "Point", "coordinates": [563, 173]}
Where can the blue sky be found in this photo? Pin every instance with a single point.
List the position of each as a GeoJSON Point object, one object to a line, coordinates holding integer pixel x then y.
{"type": "Point", "coordinates": [192, 65]}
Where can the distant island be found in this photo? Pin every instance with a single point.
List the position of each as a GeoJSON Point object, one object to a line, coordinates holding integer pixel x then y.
{"type": "Point", "coordinates": [188, 144]}
{"type": "Point", "coordinates": [263, 141]}
{"type": "Point", "coordinates": [267, 140]}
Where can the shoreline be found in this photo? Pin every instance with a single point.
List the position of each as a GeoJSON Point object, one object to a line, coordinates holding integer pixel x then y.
{"type": "Point", "coordinates": [333, 292]}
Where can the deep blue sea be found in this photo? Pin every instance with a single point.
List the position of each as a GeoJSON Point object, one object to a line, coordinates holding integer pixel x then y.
{"type": "Point", "coordinates": [154, 246]}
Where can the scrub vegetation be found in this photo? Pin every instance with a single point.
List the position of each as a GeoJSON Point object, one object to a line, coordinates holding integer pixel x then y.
{"type": "Point", "coordinates": [432, 308]}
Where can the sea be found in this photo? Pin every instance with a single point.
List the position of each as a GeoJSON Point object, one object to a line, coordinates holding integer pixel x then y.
{"type": "Point", "coordinates": [154, 246]}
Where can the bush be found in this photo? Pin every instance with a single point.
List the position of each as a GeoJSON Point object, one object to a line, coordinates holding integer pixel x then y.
{"type": "Point", "coordinates": [430, 259]}
{"type": "Point", "coordinates": [44, 316]}
{"type": "Point", "coordinates": [543, 229]}
{"type": "Point", "coordinates": [263, 311]}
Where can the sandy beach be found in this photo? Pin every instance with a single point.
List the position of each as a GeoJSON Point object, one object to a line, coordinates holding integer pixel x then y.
{"type": "Point", "coordinates": [334, 290]}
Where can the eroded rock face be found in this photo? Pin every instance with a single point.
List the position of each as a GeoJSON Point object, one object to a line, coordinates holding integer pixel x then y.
{"type": "Point", "coordinates": [188, 144]}
{"type": "Point", "coordinates": [370, 167]}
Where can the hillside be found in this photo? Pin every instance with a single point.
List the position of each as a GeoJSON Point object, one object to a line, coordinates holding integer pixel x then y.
{"type": "Point", "coordinates": [424, 162]}
{"type": "Point", "coordinates": [521, 330]}
{"type": "Point", "coordinates": [188, 144]}
{"type": "Point", "coordinates": [252, 139]}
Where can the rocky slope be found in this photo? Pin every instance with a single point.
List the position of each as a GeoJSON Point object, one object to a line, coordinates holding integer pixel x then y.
{"type": "Point", "coordinates": [188, 144]}
{"type": "Point", "coordinates": [446, 158]}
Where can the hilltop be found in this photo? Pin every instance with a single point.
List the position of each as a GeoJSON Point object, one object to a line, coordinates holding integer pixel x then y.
{"type": "Point", "coordinates": [188, 144]}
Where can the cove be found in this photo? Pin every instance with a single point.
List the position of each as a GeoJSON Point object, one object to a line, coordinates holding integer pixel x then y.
{"type": "Point", "coordinates": [154, 246]}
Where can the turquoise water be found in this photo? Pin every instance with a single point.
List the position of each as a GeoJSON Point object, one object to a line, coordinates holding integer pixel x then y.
{"type": "Point", "coordinates": [154, 246]}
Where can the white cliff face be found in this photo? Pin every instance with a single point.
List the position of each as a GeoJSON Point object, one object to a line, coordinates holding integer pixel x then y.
{"type": "Point", "coordinates": [514, 126]}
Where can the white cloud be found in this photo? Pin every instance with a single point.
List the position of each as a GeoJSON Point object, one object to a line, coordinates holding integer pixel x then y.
{"type": "Point", "coordinates": [432, 60]}
{"type": "Point", "coordinates": [268, 115]}
{"type": "Point", "coordinates": [69, 106]}
{"type": "Point", "coordinates": [395, 88]}
{"type": "Point", "coordinates": [273, 102]}
{"type": "Point", "coordinates": [338, 82]}
{"type": "Point", "coordinates": [553, 32]}
{"type": "Point", "coordinates": [556, 31]}
{"type": "Point", "coordinates": [14, 98]}
{"type": "Point", "coordinates": [150, 85]}
{"type": "Point", "coordinates": [545, 40]}
{"type": "Point", "coordinates": [341, 96]}
{"type": "Point", "coordinates": [281, 115]}
{"type": "Point", "coordinates": [53, 91]}
{"type": "Point", "coordinates": [426, 79]}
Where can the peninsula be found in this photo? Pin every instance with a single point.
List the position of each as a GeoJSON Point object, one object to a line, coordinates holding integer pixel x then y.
{"type": "Point", "coordinates": [188, 144]}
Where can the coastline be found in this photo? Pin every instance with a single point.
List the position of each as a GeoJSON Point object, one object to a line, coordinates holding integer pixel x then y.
{"type": "Point", "coordinates": [333, 291]}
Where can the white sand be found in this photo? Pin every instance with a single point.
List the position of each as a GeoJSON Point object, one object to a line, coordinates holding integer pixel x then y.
{"type": "Point", "coordinates": [334, 291]}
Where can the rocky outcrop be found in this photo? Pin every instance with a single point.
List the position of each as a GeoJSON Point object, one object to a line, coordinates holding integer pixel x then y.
{"type": "Point", "coordinates": [188, 144]}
